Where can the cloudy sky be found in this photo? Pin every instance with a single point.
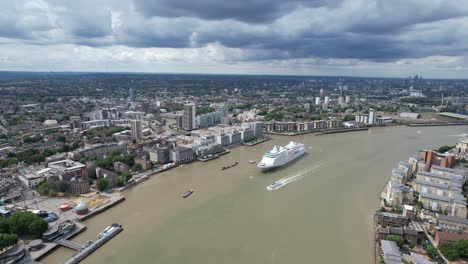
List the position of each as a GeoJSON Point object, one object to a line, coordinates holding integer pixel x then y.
{"type": "Point", "coordinates": [394, 38]}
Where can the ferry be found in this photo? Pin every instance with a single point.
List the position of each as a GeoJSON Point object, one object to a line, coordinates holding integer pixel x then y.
{"type": "Point", "coordinates": [188, 193]}
{"type": "Point", "coordinates": [276, 185]}
{"type": "Point", "coordinates": [280, 156]}
{"type": "Point", "coordinates": [109, 230]}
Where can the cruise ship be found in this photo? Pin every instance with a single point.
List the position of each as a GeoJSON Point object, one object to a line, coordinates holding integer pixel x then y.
{"type": "Point", "coordinates": [280, 156]}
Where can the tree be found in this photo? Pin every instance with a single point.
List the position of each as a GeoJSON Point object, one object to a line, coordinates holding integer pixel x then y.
{"type": "Point", "coordinates": [4, 225]}
{"type": "Point", "coordinates": [137, 167]}
{"type": "Point", "coordinates": [420, 205]}
{"type": "Point", "coordinates": [349, 117]}
{"type": "Point", "coordinates": [37, 227]}
{"type": "Point", "coordinates": [121, 180]}
{"type": "Point", "coordinates": [7, 240]}
{"type": "Point", "coordinates": [61, 138]}
{"type": "Point", "coordinates": [43, 188]}
{"type": "Point", "coordinates": [397, 239]}
{"type": "Point", "coordinates": [127, 176]}
{"type": "Point", "coordinates": [449, 251]}
{"type": "Point", "coordinates": [462, 248]}
{"type": "Point", "coordinates": [102, 184]}
{"type": "Point", "coordinates": [20, 224]}
{"type": "Point", "coordinates": [432, 252]}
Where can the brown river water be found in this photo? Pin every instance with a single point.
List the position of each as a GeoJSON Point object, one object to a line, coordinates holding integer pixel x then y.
{"type": "Point", "coordinates": [324, 215]}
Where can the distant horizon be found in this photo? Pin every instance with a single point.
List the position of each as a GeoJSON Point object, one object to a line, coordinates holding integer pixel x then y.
{"type": "Point", "coordinates": [374, 38]}
{"type": "Point", "coordinates": [223, 74]}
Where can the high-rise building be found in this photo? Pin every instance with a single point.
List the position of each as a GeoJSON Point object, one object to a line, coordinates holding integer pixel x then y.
{"type": "Point", "coordinates": [307, 107]}
{"type": "Point", "coordinates": [372, 117]}
{"type": "Point", "coordinates": [326, 102]}
{"type": "Point", "coordinates": [189, 119]}
{"type": "Point", "coordinates": [137, 131]}
{"type": "Point", "coordinates": [322, 92]}
{"type": "Point", "coordinates": [348, 99]}
{"type": "Point", "coordinates": [340, 100]}
{"type": "Point", "coordinates": [131, 95]}
{"type": "Point", "coordinates": [317, 101]}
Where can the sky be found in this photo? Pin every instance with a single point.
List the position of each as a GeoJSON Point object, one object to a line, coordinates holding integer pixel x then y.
{"type": "Point", "coordinates": [384, 38]}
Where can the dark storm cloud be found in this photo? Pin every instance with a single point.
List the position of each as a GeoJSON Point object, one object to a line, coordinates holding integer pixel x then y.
{"type": "Point", "coordinates": [376, 30]}
{"type": "Point", "coordinates": [251, 11]}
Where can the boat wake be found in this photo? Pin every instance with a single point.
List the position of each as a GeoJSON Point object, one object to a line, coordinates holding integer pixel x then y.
{"type": "Point", "coordinates": [287, 180]}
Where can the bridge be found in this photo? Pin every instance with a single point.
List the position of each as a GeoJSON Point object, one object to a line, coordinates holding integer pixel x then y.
{"type": "Point", "coordinates": [69, 244]}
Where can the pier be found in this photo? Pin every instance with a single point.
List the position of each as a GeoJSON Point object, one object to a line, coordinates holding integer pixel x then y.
{"type": "Point", "coordinates": [69, 244]}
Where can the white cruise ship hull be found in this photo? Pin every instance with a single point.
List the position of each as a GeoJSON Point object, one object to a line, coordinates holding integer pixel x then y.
{"type": "Point", "coordinates": [268, 163]}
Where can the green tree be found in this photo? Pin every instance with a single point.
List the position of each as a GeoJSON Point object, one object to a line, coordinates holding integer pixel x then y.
{"type": "Point", "coordinates": [449, 251]}
{"type": "Point", "coordinates": [20, 223]}
{"type": "Point", "coordinates": [61, 138]}
{"type": "Point", "coordinates": [121, 180]}
{"type": "Point", "coordinates": [102, 184]}
{"type": "Point", "coordinates": [462, 248]}
{"type": "Point", "coordinates": [397, 239]}
{"type": "Point", "coordinates": [43, 188]}
{"type": "Point", "coordinates": [349, 117]}
{"type": "Point", "coordinates": [432, 252]}
{"type": "Point", "coordinates": [7, 240]}
{"type": "Point", "coordinates": [137, 167]}
{"type": "Point", "coordinates": [127, 176]}
{"type": "Point", "coordinates": [37, 227]}
{"type": "Point", "coordinates": [4, 225]}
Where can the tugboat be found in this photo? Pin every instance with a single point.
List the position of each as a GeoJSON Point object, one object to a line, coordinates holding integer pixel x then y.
{"type": "Point", "coordinates": [188, 193]}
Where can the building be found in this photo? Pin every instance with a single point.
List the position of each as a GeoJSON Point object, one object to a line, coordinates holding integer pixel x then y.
{"type": "Point", "coordinates": [433, 158]}
{"type": "Point", "coordinates": [347, 99]}
{"type": "Point", "coordinates": [182, 154]}
{"type": "Point", "coordinates": [317, 101]}
{"type": "Point", "coordinates": [189, 118]}
{"type": "Point", "coordinates": [131, 95]}
{"type": "Point", "coordinates": [390, 252]}
{"type": "Point", "coordinates": [449, 237]}
{"type": "Point", "coordinates": [462, 146]}
{"type": "Point", "coordinates": [179, 120]}
{"type": "Point", "coordinates": [326, 102]}
{"type": "Point", "coordinates": [441, 190]}
{"type": "Point", "coordinates": [391, 219]}
{"type": "Point", "coordinates": [406, 115]}
{"type": "Point", "coordinates": [68, 176]}
{"type": "Point", "coordinates": [452, 224]}
{"type": "Point", "coordinates": [137, 130]}
{"type": "Point", "coordinates": [372, 117]}
{"type": "Point", "coordinates": [398, 194]}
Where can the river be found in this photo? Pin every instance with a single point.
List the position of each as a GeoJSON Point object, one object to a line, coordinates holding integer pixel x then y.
{"type": "Point", "coordinates": [324, 216]}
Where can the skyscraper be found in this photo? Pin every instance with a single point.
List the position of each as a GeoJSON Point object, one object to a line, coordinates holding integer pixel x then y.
{"type": "Point", "coordinates": [131, 95]}
{"type": "Point", "coordinates": [317, 101]}
{"type": "Point", "coordinates": [189, 120]}
{"type": "Point", "coordinates": [326, 102]}
{"type": "Point", "coordinates": [372, 117]}
{"type": "Point", "coordinates": [137, 131]}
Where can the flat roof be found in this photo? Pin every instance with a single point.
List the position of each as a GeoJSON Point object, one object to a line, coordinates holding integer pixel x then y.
{"type": "Point", "coordinates": [454, 115]}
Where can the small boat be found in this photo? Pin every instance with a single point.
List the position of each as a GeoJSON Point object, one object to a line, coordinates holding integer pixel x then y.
{"type": "Point", "coordinates": [276, 185]}
{"type": "Point", "coordinates": [252, 161]}
{"type": "Point", "coordinates": [188, 193]}
{"type": "Point", "coordinates": [230, 166]}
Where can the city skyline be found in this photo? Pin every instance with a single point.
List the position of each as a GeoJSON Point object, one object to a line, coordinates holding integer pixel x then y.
{"type": "Point", "coordinates": [338, 37]}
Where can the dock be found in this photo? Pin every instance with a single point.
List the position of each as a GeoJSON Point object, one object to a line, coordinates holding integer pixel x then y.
{"type": "Point", "coordinates": [69, 244]}
{"type": "Point", "coordinates": [85, 251]}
